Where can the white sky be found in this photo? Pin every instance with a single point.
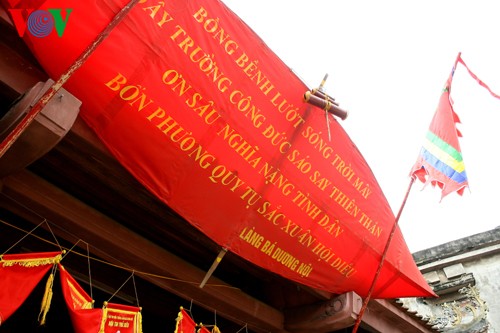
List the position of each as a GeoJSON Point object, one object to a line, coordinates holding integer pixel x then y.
{"type": "Point", "coordinates": [387, 62]}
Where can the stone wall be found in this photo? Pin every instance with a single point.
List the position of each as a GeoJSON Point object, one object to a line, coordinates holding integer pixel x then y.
{"type": "Point", "coordinates": [466, 275]}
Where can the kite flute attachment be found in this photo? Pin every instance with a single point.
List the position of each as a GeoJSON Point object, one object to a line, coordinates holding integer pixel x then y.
{"type": "Point", "coordinates": [321, 94]}
{"type": "Point", "coordinates": [326, 103]}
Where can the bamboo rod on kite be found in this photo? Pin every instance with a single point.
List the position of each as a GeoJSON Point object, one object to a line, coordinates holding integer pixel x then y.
{"type": "Point", "coordinates": [42, 102]}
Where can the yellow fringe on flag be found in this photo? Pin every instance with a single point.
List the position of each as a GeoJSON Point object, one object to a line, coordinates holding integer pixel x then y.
{"type": "Point", "coordinates": [31, 262]}
{"type": "Point", "coordinates": [215, 329]}
{"type": "Point", "coordinates": [104, 317]}
{"type": "Point", "coordinates": [46, 300]}
{"type": "Point", "coordinates": [178, 321]}
{"type": "Point", "coordinates": [139, 322]}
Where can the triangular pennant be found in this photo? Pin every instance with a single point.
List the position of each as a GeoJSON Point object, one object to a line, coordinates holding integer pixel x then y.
{"type": "Point", "coordinates": [203, 329]}
{"type": "Point", "coordinates": [440, 160]}
{"type": "Point", "coordinates": [84, 317]}
{"type": "Point", "coordinates": [184, 323]}
{"type": "Point", "coordinates": [19, 275]}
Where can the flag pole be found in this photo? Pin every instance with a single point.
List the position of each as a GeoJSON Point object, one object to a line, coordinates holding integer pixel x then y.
{"type": "Point", "coordinates": [377, 274]}
{"type": "Point", "coordinates": [42, 102]}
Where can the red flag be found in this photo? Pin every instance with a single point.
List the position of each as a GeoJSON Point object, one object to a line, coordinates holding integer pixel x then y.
{"type": "Point", "coordinates": [440, 160]}
{"type": "Point", "coordinates": [111, 318]}
{"type": "Point", "coordinates": [84, 317]}
{"type": "Point", "coordinates": [184, 323]}
{"type": "Point", "coordinates": [204, 329]}
{"type": "Point", "coordinates": [121, 318]}
{"type": "Point", "coordinates": [19, 275]}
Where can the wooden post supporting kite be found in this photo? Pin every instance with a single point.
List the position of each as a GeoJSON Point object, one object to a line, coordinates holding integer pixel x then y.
{"type": "Point", "coordinates": [42, 102]}
{"type": "Point", "coordinates": [377, 274]}
{"type": "Point", "coordinates": [216, 262]}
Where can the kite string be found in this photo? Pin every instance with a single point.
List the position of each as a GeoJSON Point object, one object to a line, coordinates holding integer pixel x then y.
{"type": "Point", "coordinates": [243, 328]}
{"type": "Point", "coordinates": [123, 284]}
{"type": "Point", "coordinates": [88, 264]}
{"type": "Point", "coordinates": [26, 235]}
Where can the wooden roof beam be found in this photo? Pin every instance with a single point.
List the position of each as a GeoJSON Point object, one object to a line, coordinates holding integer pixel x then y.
{"type": "Point", "coordinates": [335, 314]}
{"type": "Point", "coordinates": [340, 312]}
{"type": "Point", "coordinates": [42, 134]}
{"type": "Point", "coordinates": [384, 316]}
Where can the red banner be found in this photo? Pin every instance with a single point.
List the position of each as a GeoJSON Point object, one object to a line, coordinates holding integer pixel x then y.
{"type": "Point", "coordinates": [204, 329]}
{"type": "Point", "coordinates": [184, 323]}
{"type": "Point", "coordinates": [122, 318]}
{"type": "Point", "coordinates": [84, 317]}
{"type": "Point", "coordinates": [211, 121]}
{"type": "Point", "coordinates": [111, 318]}
{"type": "Point", "coordinates": [19, 275]}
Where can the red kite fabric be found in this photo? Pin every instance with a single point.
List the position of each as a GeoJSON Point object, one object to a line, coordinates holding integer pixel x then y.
{"type": "Point", "coordinates": [19, 275]}
{"type": "Point", "coordinates": [440, 160]}
{"type": "Point", "coordinates": [195, 105]}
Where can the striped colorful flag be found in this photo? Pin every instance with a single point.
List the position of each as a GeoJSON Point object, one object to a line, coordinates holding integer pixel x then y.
{"type": "Point", "coordinates": [440, 160]}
